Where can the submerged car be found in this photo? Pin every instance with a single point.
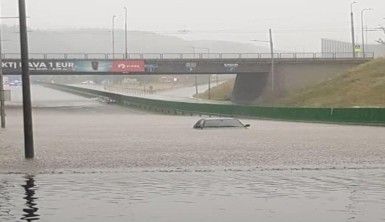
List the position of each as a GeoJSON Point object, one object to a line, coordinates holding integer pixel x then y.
{"type": "Point", "coordinates": [220, 123]}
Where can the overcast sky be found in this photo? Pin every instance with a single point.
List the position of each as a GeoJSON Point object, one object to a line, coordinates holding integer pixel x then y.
{"type": "Point", "coordinates": [298, 25]}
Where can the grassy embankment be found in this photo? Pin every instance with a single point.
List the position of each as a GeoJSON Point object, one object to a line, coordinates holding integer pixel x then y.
{"type": "Point", "coordinates": [363, 86]}
{"type": "Point", "coordinates": [222, 92]}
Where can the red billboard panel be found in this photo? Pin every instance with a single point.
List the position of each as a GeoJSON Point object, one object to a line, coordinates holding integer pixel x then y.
{"type": "Point", "coordinates": [128, 66]}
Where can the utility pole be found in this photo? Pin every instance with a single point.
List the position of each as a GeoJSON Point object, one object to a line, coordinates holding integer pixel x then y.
{"type": "Point", "coordinates": [272, 70]}
{"type": "Point", "coordinates": [352, 27]}
{"type": "Point", "coordinates": [209, 80]}
{"type": "Point", "coordinates": [196, 76]}
{"type": "Point", "coordinates": [363, 30]}
{"type": "Point", "coordinates": [27, 108]}
{"type": "Point", "coordinates": [208, 56]}
{"type": "Point", "coordinates": [209, 86]}
{"type": "Point", "coordinates": [113, 36]}
{"type": "Point", "coordinates": [2, 99]}
{"type": "Point", "coordinates": [125, 33]}
{"type": "Point", "coordinates": [272, 61]}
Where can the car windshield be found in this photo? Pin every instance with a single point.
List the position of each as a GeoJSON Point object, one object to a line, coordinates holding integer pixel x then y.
{"type": "Point", "coordinates": [222, 123]}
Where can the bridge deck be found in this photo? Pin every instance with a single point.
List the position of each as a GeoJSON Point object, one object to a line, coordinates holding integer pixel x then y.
{"type": "Point", "coordinates": [223, 63]}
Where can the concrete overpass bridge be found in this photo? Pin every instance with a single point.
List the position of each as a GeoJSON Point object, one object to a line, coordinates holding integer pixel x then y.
{"type": "Point", "coordinates": [254, 71]}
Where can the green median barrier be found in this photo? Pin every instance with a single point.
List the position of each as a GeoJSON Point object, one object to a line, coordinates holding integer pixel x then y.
{"type": "Point", "coordinates": [359, 115]}
{"type": "Point", "coordinates": [334, 115]}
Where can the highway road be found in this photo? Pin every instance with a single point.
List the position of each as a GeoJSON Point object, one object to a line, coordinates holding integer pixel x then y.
{"type": "Point", "coordinates": [138, 166]}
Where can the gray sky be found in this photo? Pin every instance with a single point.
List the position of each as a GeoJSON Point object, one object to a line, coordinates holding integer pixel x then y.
{"type": "Point", "coordinates": [298, 25]}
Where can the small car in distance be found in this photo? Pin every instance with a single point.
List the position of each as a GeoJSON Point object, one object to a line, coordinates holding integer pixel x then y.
{"type": "Point", "coordinates": [219, 123]}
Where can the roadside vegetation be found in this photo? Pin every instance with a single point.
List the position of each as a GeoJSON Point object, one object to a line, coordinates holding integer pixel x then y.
{"type": "Point", "coordinates": [362, 86]}
{"type": "Point", "coordinates": [222, 92]}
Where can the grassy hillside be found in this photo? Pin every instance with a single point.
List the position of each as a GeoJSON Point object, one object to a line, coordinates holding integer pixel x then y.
{"type": "Point", "coordinates": [362, 86]}
{"type": "Point", "coordinates": [222, 92]}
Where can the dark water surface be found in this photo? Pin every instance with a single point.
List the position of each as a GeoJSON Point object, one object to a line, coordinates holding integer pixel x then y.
{"type": "Point", "coordinates": [97, 162]}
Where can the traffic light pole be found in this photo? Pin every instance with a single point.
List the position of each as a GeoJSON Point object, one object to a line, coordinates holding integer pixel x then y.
{"type": "Point", "coordinates": [27, 107]}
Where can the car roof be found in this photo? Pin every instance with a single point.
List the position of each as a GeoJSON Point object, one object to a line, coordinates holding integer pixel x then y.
{"type": "Point", "coordinates": [218, 118]}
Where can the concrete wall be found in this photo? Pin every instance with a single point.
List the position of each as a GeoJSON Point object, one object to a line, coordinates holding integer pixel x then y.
{"type": "Point", "coordinates": [249, 87]}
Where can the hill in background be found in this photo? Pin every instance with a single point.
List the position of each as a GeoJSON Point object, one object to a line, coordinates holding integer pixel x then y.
{"type": "Point", "coordinates": [99, 41]}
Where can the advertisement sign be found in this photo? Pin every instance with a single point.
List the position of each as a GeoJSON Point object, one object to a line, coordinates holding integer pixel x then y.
{"type": "Point", "coordinates": [88, 66]}
{"type": "Point", "coordinates": [231, 67]}
{"type": "Point", "coordinates": [190, 66]}
{"type": "Point", "coordinates": [127, 66]}
{"type": "Point", "coordinates": [93, 66]}
{"type": "Point", "coordinates": [151, 67]}
{"type": "Point", "coordinates": [63, 66]}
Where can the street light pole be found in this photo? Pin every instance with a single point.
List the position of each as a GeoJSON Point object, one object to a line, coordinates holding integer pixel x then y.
{"type": "Point", "coordinates": [125, 33]}
{"type": "Point", "coordinates": [363, 30]}
{"type": "Point", "coordinates": [196, 76]}
{"type": "Point", "coordinates": [113, 36]}
{"type": "Point", "coordinates": [209, 80]}
{"type": "Point", "coordinates": [272, 70]}
{"type": "Point", "coordinates": [2, 99]}
{"type": "Point", "coordinates": [27, 110]}
{"type": "Point", "coordinates": [352, 27]}
{"type": "Point", "coordinates": [208, 56]}
{"type": "Point", "coordinates": [272, 61]}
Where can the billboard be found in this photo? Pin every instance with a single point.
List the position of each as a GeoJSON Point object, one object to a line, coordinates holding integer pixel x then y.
{"type": "Point", "coordinates": [127, 66]}
{"type": "Point", "coordinates": [40, 65]}
{"type": "Point", "coordinates": [93, 66]}
{"type": "Point", "coordinates": [85, 66]}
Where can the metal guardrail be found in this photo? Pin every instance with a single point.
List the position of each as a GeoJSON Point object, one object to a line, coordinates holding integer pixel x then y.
{"type": "Point", "coordinates": [160, 56]}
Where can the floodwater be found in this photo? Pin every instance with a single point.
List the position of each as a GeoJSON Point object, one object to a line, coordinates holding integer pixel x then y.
{"type": "Point", "coordinates": [98, 162]}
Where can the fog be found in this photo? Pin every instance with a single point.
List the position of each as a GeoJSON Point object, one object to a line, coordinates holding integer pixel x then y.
{"type": "Point", "coordinates": [239, 21]}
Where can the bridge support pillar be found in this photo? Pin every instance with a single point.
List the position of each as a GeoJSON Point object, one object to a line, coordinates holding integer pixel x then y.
{"type": "Point", "coordinates": [249, 87]}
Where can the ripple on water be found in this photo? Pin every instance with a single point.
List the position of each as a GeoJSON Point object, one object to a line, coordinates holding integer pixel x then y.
{"type": "Point", "coordinates": [175, 196]}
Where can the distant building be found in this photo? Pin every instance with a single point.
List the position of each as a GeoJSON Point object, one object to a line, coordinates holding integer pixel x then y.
{"type": "Point", "coordinates": [344, 49]}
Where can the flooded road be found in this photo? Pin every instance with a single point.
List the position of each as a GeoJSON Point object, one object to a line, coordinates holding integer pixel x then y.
{"type": "Point", "coordinates": [97, 162]}
{"type": "Point", "coordinates": [351, 195]}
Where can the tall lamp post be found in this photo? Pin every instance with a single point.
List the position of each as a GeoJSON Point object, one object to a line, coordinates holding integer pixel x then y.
{"type": "Point", "coordinates": [363, 29]}
{"type": "Point", "coordinates": [208, 56]}
{"type": "Point", "coordinates": [196, 76]}
{"type": "Point", "coordinates": [113, 36]}
{"type": "Point", "coordinates": [272, 70]}
{"type": "Point", "coordinates": [2, 102]}
{"type": "Point", "coordinates": [27, 110]}
{"type": "Point", "coordinates": [352, 27]}
{"type": "Point", "coordinates": [125, 33]}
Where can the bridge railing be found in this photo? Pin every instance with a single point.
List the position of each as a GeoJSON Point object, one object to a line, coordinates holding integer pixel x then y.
{"type": "Point", "coordinates": [159, 56]}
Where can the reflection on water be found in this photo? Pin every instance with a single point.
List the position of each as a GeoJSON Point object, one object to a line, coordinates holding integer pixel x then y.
{"type": "Point", "coordinates": [201, 195]}
{"type": "Point", "coordinates": [30, 211]}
